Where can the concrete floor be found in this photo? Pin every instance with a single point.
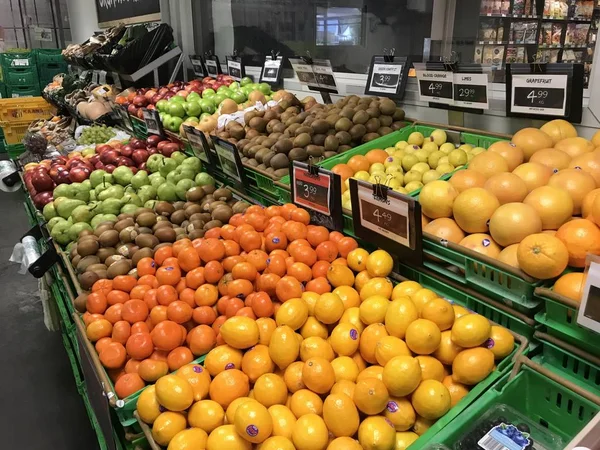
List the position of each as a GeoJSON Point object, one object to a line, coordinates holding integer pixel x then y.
{"type": "Point", "coordinates": [42, 409]}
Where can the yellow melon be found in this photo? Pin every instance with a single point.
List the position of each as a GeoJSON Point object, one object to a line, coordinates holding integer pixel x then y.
{"type": "Point", "coordinates": [510, 152]}
{"type": "Point", "coordinates": [559, 129]}
{"type": "Point", "coordinates": [507, 187]}
{"type": "Point", "coordinates": [576, 182]}
{"type": "Point", "coordinates": [555, 159]}
{"type": "Point", "coordinates": [473, 208]}
{"type": "Point", "coordinates": [488, 164]}
{"type": "Point", "coordinates": [514, 221]}
{"type": "Point", "coordinates": [574, 146]}
{"type": "Point", "coordinates": [465, 179]}
{"type": "Point", "coordinates": [554, 206]}
{"type": "Point", "coordinates": [481, 243]}
{"type": "Point", "coordinates": [531, 140]}
{"type": "Point", "coordinates": [533, 174]}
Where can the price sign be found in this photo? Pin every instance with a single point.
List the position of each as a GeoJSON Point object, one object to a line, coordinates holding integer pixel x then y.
{"type": "Point", "coordinates": [124, 116]}
{"type": "Point", "coordinates": [235, 68]}
{"type": "Point", "coordinates": [319, 191]}
{"type": "Point", "coordinates": [471, 90]}
{"type": "Point", "coordinates": [588, 315]}
{"type": "Point", "coordinates": [385, 78]}
{"type": "Point", "coordinates": [153, 123]}
{"type": "Point", "coordinates": [271, 71]}
{"type": "Point", "coordinates": [212, 66]}
{"type": "Point", "coordinates": [304, 72]}
{"type": "Point", "coordinates": [324, 75]}
{"type": "Point", "coordinates": [198, 143]}
{"type": "Point", "coordinates": [198, 66]}
{"type": "Point", "coordinates": [389, 219]}
{"type": "Point", "coordinates": [230, 160]}
{"type": "Point", "coordinates": [435, 86]}
{"type": "Point", "coordinates": [539, 94]}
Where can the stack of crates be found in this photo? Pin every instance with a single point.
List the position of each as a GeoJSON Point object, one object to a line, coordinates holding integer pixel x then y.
{"type": "Point", "coordinates": [49, 63]}
{"type": "Point", "coordinates": [20, 74]}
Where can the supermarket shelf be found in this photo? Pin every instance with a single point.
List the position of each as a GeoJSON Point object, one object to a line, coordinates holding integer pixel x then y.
{"type": "Point", "coordinates": [551, 19]}
{"type": "Point", "coordinates": [510, 16]}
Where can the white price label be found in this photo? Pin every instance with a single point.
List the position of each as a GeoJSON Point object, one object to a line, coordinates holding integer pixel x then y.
{"type": "Point", "coordinates": [271, 70]}
{"type": "Point", "coordinates": [235, 69]}
{"type": "Point", "coordinates": [385, 78]}
{"type": "Point", "coordinates": [539, 94]}
{"type": "Point", "coordinates": [436, 86]}
{"type": "Point", "coordinates": [471, 90]}
{"type": "Point", "coordinates": [211, 67]}
{"type": "Point", "coordinates": [228, 161]}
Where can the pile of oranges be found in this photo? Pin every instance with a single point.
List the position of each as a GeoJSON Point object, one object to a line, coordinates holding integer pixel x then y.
{"type": "Point", "coordinates": [307, 344]}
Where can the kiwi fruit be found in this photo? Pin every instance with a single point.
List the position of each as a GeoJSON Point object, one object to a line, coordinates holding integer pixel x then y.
{"type": "Point", "coordinates": [196, 234]}
{"type": "Point", "coordinates": [214, 205]}
{"type": "Point", "coordinates": [96, 267]}
{"type": "Point", "coordinates": [384, 130]}
{"type": "Point", "coordinates": [222, 213]}
{"type": "Point", "coordinates": [343, 137]}
{"type": "Point", "coordinates": [319, 139]}
{"type": "Point", "coordinates": [343, 124]}
{"type": "Point", "coordinates": [128, 235]}
{"type": "Point", "coordinates": [127, 250]}
{"type": "Point", "coordinates": [398, 114]}
{"type": "Point", "coordinates": [279, 161]}
{"type": "Point", "coordinates": [315, 151]}
{"type": "Point", "coordinates": [80, 302]}
{"type": "Point", "coordinates": [146, 219]}
{"type": "Point", "coordinates": [283, 146]}
{"type": "Point", "coordinates": [109, 238]}
{"type": "Point", "coordinates": [121, 267]}
{"type": "Point", "coordinates": [291, 128]}
{"type": "Point", "coordinates": [332, 119]}
{"type": "Point", "coordinates": [165, 234]}
{"type": "Point", "coordinates": [237, 132]}
{"type": "Point", "coordinates": [267, 158]}
{"type": "Point", "coordinates": [347, 112]}
{"type": "Point", "coordinates": [124, 224]}
{"type": "Point", "coordinates": [83, 264]}
{"type": "Point", "coordinates": [304, 129]}
{"type": "Point", "coordinates": [177, 217]}
{"type": "Point", "coordinates": [320, 126]}
{"type": "Point", "coordinates": [212, 224]}
{"type": "Point", "coordinates": [360, 117]}
{"type": "Point", "coordinates": [142, 253]}
{"type": "Point", "coordinates": [144, 230]}
{"type": "Point", "coordinates": [102, 228]}
{"type": "Point", "coordinates": [252, 133]}
{"type": "Point", "coordinates": [331, 143]}
{"type": "Point", "coordinates": [271, 125]}
{"type": "Point", "coordinates": [195, 225]}
{"type": "Point", "coordinates": [275, 136]}
{"type": "Point", "coordinates": [87, 247]}
{"type": "Point", "coordinates": [195, 194]}
{"type": "Point", "coordinates": [357, 132]}
{"type": "Point", "coordinates": [252, 163]}
{"type": "Point", "coordinates": [298, 154]}
{"type": "Point", "coordinates": [87, 280]}
{"type": "Point", "coordinates": [387, 107]}
{"type": "Point", "coordinates": [369, 137]}
{"type": "Point", "coordinates": [162, 224]}
{"type": "Point", "coordinates": [222, 194]}
{"type": "Point", "coordinates": [281, 172]}
{"type": "Point", "coordinates": [343, 148]}
{"type": "Point", "coordinates": [279, 128]}
{"type": "Point", "coordinates": [209, 188]}
{"type": "Point", "coordinates": [302, 140]}
{"type": "Point", "coordinates": [239, 207]}
{"type": "Point", "coordinates": [329, 154]}
{"type": "Point", "coordinates": [104, 253]}
{"type": "Point", "coordinates": [146, 240]}
{"type": "Point", "coordinates": [372, 125]}
{"type": "Point", "coordinates": [164, 208]}
{"type": "Point", "coordinates": [192, 209]}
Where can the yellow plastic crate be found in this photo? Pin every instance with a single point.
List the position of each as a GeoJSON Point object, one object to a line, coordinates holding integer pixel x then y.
{"type": "Point", "coordinates": [25, 109]}
{"type": "Point", "coordinates": [14, 132]}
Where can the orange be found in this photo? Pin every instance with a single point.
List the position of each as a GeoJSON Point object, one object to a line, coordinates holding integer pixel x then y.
{"type": "Point", "coordinates": [445, 228]}
{"type": "Point", "coordinates": [166, 335]}
{"type": "Point", "coordinates": [553, 205]}
{"type": "Point", "coordinates": [229, 385]}
{"type": "Point", "coordinates": [581, 237]}
{"type": "Point", "coordinates": [99, 329]}
{"type": "Point", "coordinates": [140, 346]}
{"type": "Point", "coordinates": [508, 255]}
{"type": "Point", "coordinates": [179, 357]}
{"type": "Point", "coordinates": [358, 163]}
{"type": "Point", "coordinates": [113, 356]}
{"type": "Point", "coordinates": [207, 415]}
{"type": "Point", "coordinates": [376, 156]}
{"type": "Point", "coordinates": [587, 207]}
{"type": "Point", "coordinates": [589, 163]}
{"type": "Point", "coordinates": [151, 370]}
{"type": "Point", "coordinates": [343, 170]}
{"type": "Point", "coordinates": [570, 285]}
{"type": "Point", "coordinates": [201, 339]}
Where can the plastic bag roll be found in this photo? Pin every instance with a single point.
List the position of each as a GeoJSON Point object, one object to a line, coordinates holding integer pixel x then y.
{"type": "Point", "coordinates": [25, 253]}
{"type": "Point", "coordinates": [6, 168]}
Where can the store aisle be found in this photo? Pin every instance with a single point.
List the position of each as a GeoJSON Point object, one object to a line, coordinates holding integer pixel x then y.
{"type": "Point", "coordinates": [41, 406]}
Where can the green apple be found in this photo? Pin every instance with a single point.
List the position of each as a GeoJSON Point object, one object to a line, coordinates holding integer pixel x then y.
{"type": "Point", "coordinates": [192, 108]}
{"type": "Point", "coordinates": [208, 105]}
{"type": "Point", "coordinates": [177, 99]}
{"type": "Point", "coordinates": [218, 98]}
{"type": "Point", "coordinates": [176, 109]}
{"type": "Point", "coordinates": [193, 97]}
{"type": "Point", "coordinates": [234, 85]}
{"type": "Point", "coordinates": [179, 157]}
{"type": "Point", "coordinates": [265, 88]}
{"type": "Point", "coordinates": [182, 187]}
{"type": "Point", "coordinates": [140, 179]}
{"type": "Point", "coordinates": [166, 192]}
{"type": "Point", "coordinates": [174, 123]}
{"type": "Point", "coordinates": [245, 81]}
{"type": "Point", "coordinates": [193, 163]}
{"type": "Point", "coordinates": [206, 93]}
{"type": "Point", "coordinates": [161, 105]}
{"type": "Point", "coordinates": [123, 175]}
{"type": "Point", "coordinates": [238, 97]}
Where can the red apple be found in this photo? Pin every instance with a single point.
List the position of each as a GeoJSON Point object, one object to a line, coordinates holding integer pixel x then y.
{"type": "Point", "coordinates": [131, 109]}
{"type": "Point", "coordinates": [163, 90]}
{"type": "Point", "coordinates": [153, 140]}
{"type": "Point", "coordinates": [102, 148]}
{"type": "Point", "coordinates": [109, 168]}
{"type": "Point", "coordinates": [156, 98]}
{"type": "Point", "coordinates": [140, 100]}
{"type": "Point", "coordinates": [99, 165]}
{"type": "Point", "coordinates": [41, 181]}
{"type": "Point", "coordinates": [169, 149]}
{"type": "Point", "coordinates": [168, 95]}
{"type": "Point", "coordinates": [149, 94]}
{"type": "Point", "coordinates": [79, 174]}
{"type": "Point", "coordinates": [140, 114]}
{"type": "Point", "coordinates": [124, 161]}
{"type": "Point", "coordinates": [63, 177]}
{"type": "Point", "coordinates": [137, 143]}
{"type": "Point", "coordinates": [152, 150]}
{"type": "Point", "coordinates": [139, 156]}
{"type": "Point", "coordinates": [142, 166]}
{"type": "Point", "coordinates": [109, 156]}
{"type": "Point", "coordinates": [59, 160]}
{"type": "Point", "coordinates": [42, 199]}
{"type": "Point", "coordinates": [94, 159]}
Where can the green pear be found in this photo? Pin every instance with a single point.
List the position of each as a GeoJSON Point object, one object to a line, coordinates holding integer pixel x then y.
{"type": "Point", "coordinates": [168, 165]}
{"type": "Point", "coordinates": [53, 222]}
{"type": "Point", "coordinates": [115, 191]}
{"type": "Point", "coordinates": [140, 179]}
{"type": "Point", "coordinates": [63, 190]}
{"type": "Point", "coordinates": [101, 187]}
{"type": "Point", "coordinates": [80, 192]}
{"type": "Point", "coordinates": [65, 207]}
{"type": "Point", "coordinates": [193, 163]}
{"type": "Point", "coordinates": [60, 232]}
{"type": "Point", "coordinates": [49, 211]}
{"type": "Point", "coordinates": [157, 181]}
{"type": "Point", "coordinates": [111, 206]}
{"type": "Point", "coordinates": [182, 187]}
{"type": "Point", "coordinates": [146, 193]}
{"type": "Point", "coordinates": [166, 192]}
{"type": "Point", "coordinates": [84, 213]}
{"type": "Point", "coordinates": [99, 176]}
{"type": "Point", "coordinates": [178, 157]}
{"type": "Point", "coordinates": [151, 204]}
{"type": "Point", "coordinates": [129, 208]}
{"type": "Point", "coordinates": [131, 197]}
{"type": "Point", "coordinates": [123, 175]}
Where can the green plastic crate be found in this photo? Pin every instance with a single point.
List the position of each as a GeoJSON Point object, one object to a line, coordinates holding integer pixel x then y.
{"type": "Point", "coordinates": [32, 90]}
{"type": "Point", "coordinates": [13, 150]}
{"type": "Point", "coordinates": [47, 71]}
{"type": "Point", "coordinates": [534, 395]}
{"type": "Point", "coordinates": [49, 56]}
{"type": "Point", "coordinates": [21, 58]}
{"type": "Point", "coordinates": [17, 76]}
{"type": "Point", "coordinates": [2, 90]}
{"type": "Point", "coordinates": [559, 316]}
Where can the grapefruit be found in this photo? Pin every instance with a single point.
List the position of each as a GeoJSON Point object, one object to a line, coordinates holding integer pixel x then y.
{"type": "Point", "coordinates": [508, 255]}
{"type": "Point", "coordinates": [533, 174]}
{"type": "Point", "coordinates": [445, 228]}
{"type": "Point", "coordinates": [550, 157]}
{"type": "Point", "coordinates": [465, 179]}
{"type": "Point", "coordinates": [558, 130]}
{"type": "Point", "coordinates": [553, 205]}
{"type": "Point", "coordinates": [531, 140]}
{"type": "Point", "coordinates": [587, 207]}
{"type": "Point", "coordinates": [436, 199]}
{"type": "Point", "coordinates": [596, 139]}
{"type": "Point", "coordinates": [488, 164]}
{"type": "Point", "coordinates": [542, 256]}
{"type": "Point", "coordinates": [589, 163]}
{"type": "Point", "coordinates": [576, 182]}
{"type": "Point", "coordinates": [594, 215]}
{"type": "Point", "coordinates": [473, 208]}
{"type": "Point", "coordinates": [510, 152]}
{"type": "Point", "coordinates": [506, 187]}
{"type": "Point", "coordinates": [481, 243]}
{"type": "Point", "coordinates": [570, 285]}
{"type": "Point", "coordinates": [574, 146]}
{"type": "Point", "coordinates": [581, 236]}
{"type": "Point", "coordinates": [513, 222]}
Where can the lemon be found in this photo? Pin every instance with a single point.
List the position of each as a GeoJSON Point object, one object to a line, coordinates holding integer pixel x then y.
{"type": "Point", "coordinates": [431, 368]}
{"type": "Point", "coordinates": [257, 362]}
{"type": "Point", "coordinates": [368, 341]}
{"type": "Point", "coordinates": [206, 414]}
{"type": "Point", "coordinates": [422, 297]}
{"type": "Point", "coordinates": [400, 313]}
{"type": "Point", "coordinates": [457, 391]}
{"type": "Point", "coordinates": [305, 402]}
{"type": "Point", "coordinates": [376, 286]}
{"type": "Point", "coordinates": [277, 443]}
{"type": "Point", "coordinates": [431, 399]}
{"type": "Point", "coordinates": [318, 375]}
{"type": "Point", "coordinates": [359, 360]}
{"type": "Point", "coordinates": [310, 298]}
{"type": "Point", "coordinates": [501, 342]}
{"type": "Point", "coordinates": [440, 312]}
{"type": "Point", "coordinates": [373, 371]}
{"type": "Point", "coordinates": [379, 263]}
{"type": "Point", "coordinates": [370, 396]}
{"type": "Point", "coordinates": [401, 375]}
{"type": "Point", "coordinates": [233, 406]}
{"type": "Point", "coordinates": [345, 368]}
{"type": "Point", "coordinates": [283, 420]}
{"type": "Point", "coordinates": [361, 279]}
{"type": "Point", "coordinates": [266, 325]}
{"type": "Point", "coordinates": [344, 443]}
{"type": "Point", "coordinates": [310, 433]}
{"type": "Point", "coordinates": [293, 376]}
{"type": "Point", "coordinates": [316, 346]}
{"type": "Point", "coordinates": [344, 339]}
{"type": "Point", "coordinates": [191, 438]}
{"type": "Point", "coordinates": [373, 309]}
{"type": "Point", "coordinates": [312, 327]}
{"type": "Point", "coordinates": [422, 425]}
{"type": "Point", "coordinates": [406, 288]}
{"type": "Point", "coordinates": [270, 389]}
{"type": "Point", "coordinates": [340, 415]}
{"type": "Point", "coordinates": [226, 437]}
{"type": "Point", "coordinates": [166, 426]}
{"type": "Point", "coordinates": [284, 346]}
{"type": "Point", "coordinates": [147, 405]}
{"type": "Point", "coordinates": [459, 311]}
{"type": "Point", "coordinates": [376, 433]}
{"type": "Point", "coordinates": [174, 393]}
{"type": "Point", "coordinates": [349, 296]}
{"type": "Point", "coordinates": [352, 316]}
{"type": "Point", "coordinates": [253, 422]}
{"type": "Point", "coordinates": [472, 365]}
{"type": "Point", "coordinates": [357, 259]}
{"type": "Point", "coordinates": [404, 439]}
{"type": "Point", "coordinates": [400, 413]}
{"type": "Point", "coordinates": [423, 337]}
{"type": "Point", "coordinates": [447, 350]}
{"type": "Point", "coordinates": [471, 330]}
{"type": "Point", "coordinates": [389, 346]}
{"type": "Point", "coordinates": [329, 308]}
{"type": "Point", "coordinates": [344, 387]}
{"type": "Point", "coordinates": [292, 313]}
{"type": "Point", "coordinates": [340, 275]}
{"type": "Point", "coordinates": [240, 332]}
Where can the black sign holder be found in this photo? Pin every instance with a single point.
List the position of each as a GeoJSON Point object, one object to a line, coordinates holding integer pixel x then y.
{"type": "Point", "coordinates": [197, 62]}
{"type": "Point", "coordinates": [319, 191]}
{"type": "Point", "coordinates": [382, 80]}
{"type": "Point", "coordinates": [123, 115]}
{"type": "Point", "coordinates": [235, 66]}
{"type": "Point", "coordinates": [380, 213]}
{"type": "Point", "coordinates": [574, 93]}
{"type": "Point", "coordinates": [230, 161]}
{"type": "Point", "coordinates": [212, 64]}
{"type": "Point", "coordinates": [322, 81]}
{"type": "Point", "coordinates": [153, 122]}
{"type": "Point", "coordinates": [272, 70]}
{"type": "Point", "coordinates": [199, 144]}
{"type": "Point", "coordinates": [47, 259]}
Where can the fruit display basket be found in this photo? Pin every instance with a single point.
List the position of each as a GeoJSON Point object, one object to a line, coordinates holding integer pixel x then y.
{"type": "Point", "coordinates": [21, 76]}
{"type": "Point", "coordinates": [20, 59]}
{"type": "Point", "coordinates": [14, 132]}
{"type": "Point", "coordinates": [559, 317]}
{"type": "Point", "coordinates": [538, 391]}
{"type": "Point", "coordinates": [25, 109]}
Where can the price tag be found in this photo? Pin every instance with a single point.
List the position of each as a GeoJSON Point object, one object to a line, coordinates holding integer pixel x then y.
{"type": "Point", "coordinates": [235, 69]}
{"type": "Point", "coordinates": [304, 72]}
{"type": "Point", "coordinates": [385, 78]}
{"type": "Point", "coordinates": [198, 66]}
{"type": "Point", "coordinates": [435, 86]}
{"type": "Point", "coordinates": [540, 94]}
{"type": "Point", "coordinates": [319, 191]}
{"type": "Point", "coordinates": [24, 62]}
{"type": "Point", "coordinates": [324, 75]}
{"type": "Point", "coordinates": [124, 116]}
{"type": "Point", "coordinates": [198, 143]}
{"type": "Point", "coordinates": [471, 90]}
{"type": "Point", "coordinates": [271, 71]}
{"type": "Point", "coordinates": [153, 123]}
{"type": "Point", "coordinates": [588, 314]}
{"type": "Point", "coordinates": [230, 160]}
{"type": "Point", "coordinates": [389, 219]}
{"type": "Point", "coordinates": [212, 67]}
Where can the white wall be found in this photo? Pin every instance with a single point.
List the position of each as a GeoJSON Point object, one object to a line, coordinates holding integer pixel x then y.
{"type": "Point", "coordinates": [83, 19]}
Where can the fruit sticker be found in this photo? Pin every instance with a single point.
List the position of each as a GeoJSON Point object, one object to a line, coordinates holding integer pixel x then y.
{"type": "Point", "coordinates": [252, 430]}
{"type": "Point", "coordinates": [505, 437]}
